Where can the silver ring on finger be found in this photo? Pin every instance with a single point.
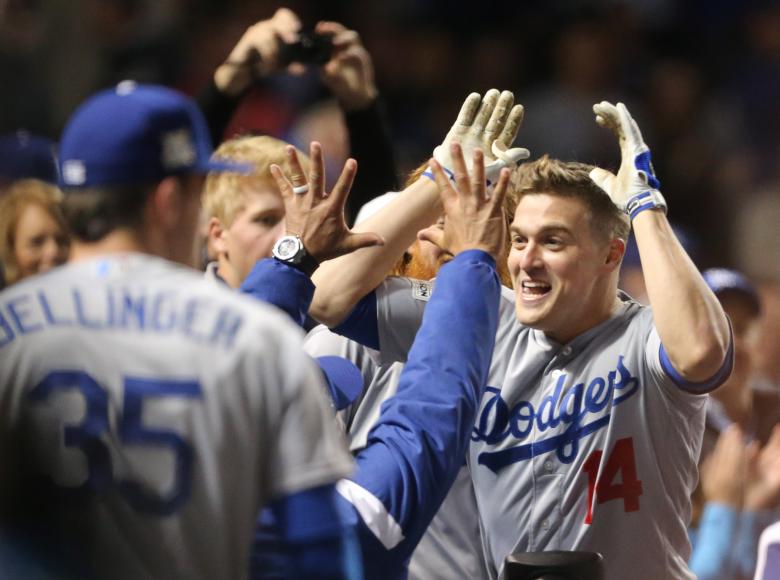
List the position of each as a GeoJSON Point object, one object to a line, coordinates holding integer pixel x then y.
{"type": "Point", "coordinates": [301, 189]}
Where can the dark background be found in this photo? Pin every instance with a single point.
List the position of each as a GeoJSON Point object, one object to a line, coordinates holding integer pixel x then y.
{"type": "Point", "coordinates": [701, 78]}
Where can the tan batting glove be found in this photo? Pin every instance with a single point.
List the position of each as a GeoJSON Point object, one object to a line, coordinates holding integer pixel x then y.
{"type": "Point", "coordinates": [489, 124]}
{"type": "Point", "coordinates": [635, 188]}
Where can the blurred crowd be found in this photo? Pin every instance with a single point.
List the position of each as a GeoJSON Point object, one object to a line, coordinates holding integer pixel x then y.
{"type": "Point", "coordinates": [703, 78]}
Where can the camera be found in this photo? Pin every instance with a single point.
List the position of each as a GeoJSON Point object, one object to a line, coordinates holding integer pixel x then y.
{"type": "Point", "coordinates": [311, 48]}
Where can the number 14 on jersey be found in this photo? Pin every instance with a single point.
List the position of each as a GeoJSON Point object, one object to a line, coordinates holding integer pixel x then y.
{"type": "Point", "coordinates": [617, 480]}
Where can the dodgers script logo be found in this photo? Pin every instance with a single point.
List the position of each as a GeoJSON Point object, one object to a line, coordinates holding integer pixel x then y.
{"type": "Point", "coordinates": [580, 409]}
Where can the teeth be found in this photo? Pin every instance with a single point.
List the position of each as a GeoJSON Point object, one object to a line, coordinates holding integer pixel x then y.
{"type": "Point", "coordinates": [529, 284]}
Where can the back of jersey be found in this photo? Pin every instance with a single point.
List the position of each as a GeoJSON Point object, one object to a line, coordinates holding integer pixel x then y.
{"type": "Point", "coordinates": [146, 416]}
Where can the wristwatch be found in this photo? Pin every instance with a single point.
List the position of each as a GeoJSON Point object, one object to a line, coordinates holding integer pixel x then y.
{"type": "Point", "coordinates": [290, 250]}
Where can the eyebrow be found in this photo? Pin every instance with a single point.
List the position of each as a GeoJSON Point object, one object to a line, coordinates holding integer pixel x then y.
{"type": "Point", "coordinates": [552, 228]}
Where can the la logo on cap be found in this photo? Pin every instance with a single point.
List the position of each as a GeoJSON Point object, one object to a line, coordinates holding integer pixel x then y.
{"type": "Point", "coordinates": [74, 172]}
{"type": "Point", "coordinates": [178, 149]}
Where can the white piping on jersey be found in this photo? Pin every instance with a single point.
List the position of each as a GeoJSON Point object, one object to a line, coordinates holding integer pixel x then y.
{"type": "Point", "coordinates": [372, 512]}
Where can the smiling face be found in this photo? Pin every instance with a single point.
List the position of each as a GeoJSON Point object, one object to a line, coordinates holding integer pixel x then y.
{"type": "Point", "coordinates": [40, 243]}
{"type": "Point", "coordinates": [565, 277]}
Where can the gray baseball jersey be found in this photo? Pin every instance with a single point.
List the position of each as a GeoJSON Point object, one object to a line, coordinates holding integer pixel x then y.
{"type": "Point", "coordinates": [164, 409]}
{"type": "Point", "coordinates": [585, 446]}
{"type": "Point", "coordinates": [451, 546]}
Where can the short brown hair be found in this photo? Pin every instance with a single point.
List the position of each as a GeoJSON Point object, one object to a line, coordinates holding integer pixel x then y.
{"type": "Point", "coordinates": [20, 195]}
{"type": "Point", "coordinates": [572, 179]}
{"type": "Point", "coordinates": [224, 193]}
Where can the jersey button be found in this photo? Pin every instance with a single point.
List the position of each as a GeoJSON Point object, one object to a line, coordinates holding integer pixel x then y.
{"type": "Point", "coordinates": [566, 351]}
{"type": "Point", "coordinates": [548, 466]}
{"type": "Point", "coordinates": [545, 524]}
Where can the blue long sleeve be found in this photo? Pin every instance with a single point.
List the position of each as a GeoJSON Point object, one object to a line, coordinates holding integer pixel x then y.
{"type": "Point", "coordinates": [415, 450]}
{"type": "Point", "coordinates": [283, 286]}
{"type": "Point", "coordinates": [316, 536]}
{"type": "Point", "coordinates": [711, 558]}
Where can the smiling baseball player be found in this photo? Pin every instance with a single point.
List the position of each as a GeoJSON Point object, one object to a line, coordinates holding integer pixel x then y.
{"type": "Point", "coordinates": [589, 431]}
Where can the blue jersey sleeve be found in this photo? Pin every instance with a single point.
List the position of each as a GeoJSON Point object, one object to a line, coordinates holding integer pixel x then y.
{"type": "Point", "coordinates": [282, 285]}
{"type": "Point", "coordinates": [417, 446]}
{"type": "Point", "coordinates": [316, 535]}
{"type": "Point", "coordinates": [361, 325]}
{"type": "Point", "coordinates": [705, 386]}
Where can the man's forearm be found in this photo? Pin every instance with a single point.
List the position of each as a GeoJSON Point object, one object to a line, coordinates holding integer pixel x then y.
{"type": "Point", "coordinates": [342, 282]}
{"type": "Point", "coordinates": [690, 321]}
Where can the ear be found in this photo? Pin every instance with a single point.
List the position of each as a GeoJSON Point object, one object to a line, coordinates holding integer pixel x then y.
{"type": "Point", "coordinates": [164, 206]}
{"type": "Point", "coordinates": [617, 248]}
{"type": "Point", "coordinates": [216, 235]}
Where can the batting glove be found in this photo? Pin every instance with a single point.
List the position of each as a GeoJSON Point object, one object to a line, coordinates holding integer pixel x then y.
{"type": "Point", "coordinates": [490, 124]}
{"type": "Point", "coordinates": [635, 188]}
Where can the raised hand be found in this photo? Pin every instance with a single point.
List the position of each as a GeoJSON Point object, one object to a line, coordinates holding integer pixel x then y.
{"type": "Point", "coordinates": [315, 216]}
{"type": "Point", "coordinates": [635, 188]}
{"type": "Point", "coordinates": [350, 72]}
{"type": "Point", "coordinates": [472, 218]}
{"type": "Point", "coordinates": [490, 124]}
{"type": "Point", "coordinates": [723, 472]}
{"type": "Point", "coordinates": [763, 482]}
{"type": "Point", "coordinates": [256, 54]}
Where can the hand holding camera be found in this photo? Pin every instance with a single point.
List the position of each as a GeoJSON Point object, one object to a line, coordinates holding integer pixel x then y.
{"type": "Point", "coordinates": [281, 44]}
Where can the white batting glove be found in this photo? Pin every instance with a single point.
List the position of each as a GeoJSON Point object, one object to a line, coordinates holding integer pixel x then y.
{"type": "Point", "coordinates": [490, 124]}
{"type": "Point", "coordinates": [635, 188]}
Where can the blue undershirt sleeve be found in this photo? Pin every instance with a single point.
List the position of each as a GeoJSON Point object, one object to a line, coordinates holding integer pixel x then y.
{"type": "Point", "coordinates": [361, 325]}
{"type": "Point", "coordinates": [284, 286]}
{"type": "Point", "coordinates": [316, 535]}
{"type": "Point", "coordinates": [417, 446]}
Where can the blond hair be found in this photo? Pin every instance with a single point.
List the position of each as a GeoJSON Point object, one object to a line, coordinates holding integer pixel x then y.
{"type": "Point", "coordinates": [18, 197]}
{"type": "Point", "coordinates": [224, 194]}
{"type": "Point", "coordinates": [572, 179]}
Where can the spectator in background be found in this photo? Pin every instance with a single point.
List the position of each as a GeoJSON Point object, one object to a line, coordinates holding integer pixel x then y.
{"type": "Point", "coordinates": [33, 235]}
{"type": "Point", "coordinates": [349, 74]}
{"type": "Point", "coordinates": [736, 402]}
{"type": "Point", "coordinates": [768, 345]}
{"type": "Point", "coordinates": [739, 480]}
{"type": "Point", "coordinates": [739, 488]}
{"type": "Point", "coordinates": [23, 156]}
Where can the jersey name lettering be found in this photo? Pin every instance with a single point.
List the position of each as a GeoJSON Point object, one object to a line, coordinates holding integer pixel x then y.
{"type": "Point", "coordinates": [121, 308]}
{"type": "Point", "coordinates": [580, 409]}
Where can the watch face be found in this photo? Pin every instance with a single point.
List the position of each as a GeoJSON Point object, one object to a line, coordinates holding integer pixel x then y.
{"type": "Point", "coordinates": [287, 248]}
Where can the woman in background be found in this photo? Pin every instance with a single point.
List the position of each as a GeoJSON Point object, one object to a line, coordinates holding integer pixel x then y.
{"type": "Point", "coordinates": [33, 237]}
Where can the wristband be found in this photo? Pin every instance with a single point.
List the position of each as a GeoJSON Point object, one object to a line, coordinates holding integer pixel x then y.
{"type": "Point", "coordinates": [650, 199]}
{"type": "Point", "coordinates": [429, 174]}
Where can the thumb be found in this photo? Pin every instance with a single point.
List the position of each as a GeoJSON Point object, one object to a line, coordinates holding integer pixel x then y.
{"type": "Point", "coordinates": [432, 234]}
{"type": "Point", "coordinates": [604, 179]}
{"type": "Point", "coordinates": [510, 157]}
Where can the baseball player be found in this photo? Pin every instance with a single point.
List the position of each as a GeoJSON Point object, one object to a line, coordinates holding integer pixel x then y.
{"type": "Point", "coordinates": [451, 546]}
{"type": "Point", "coordinates": [589, 431]}
{"type": "Point", "coordinates": [147, 414]}
{"type": "Point", "coordinates": [416, 448]}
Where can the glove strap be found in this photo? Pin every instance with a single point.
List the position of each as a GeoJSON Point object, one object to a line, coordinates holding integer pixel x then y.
{"type": "Point", "coordinates": [650, 199]}
{"type": "Point", "coordinates": [429, 174]}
